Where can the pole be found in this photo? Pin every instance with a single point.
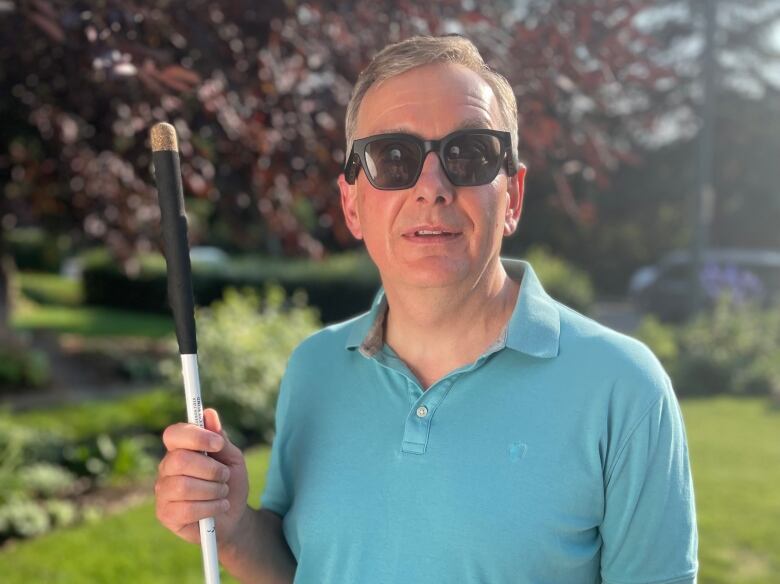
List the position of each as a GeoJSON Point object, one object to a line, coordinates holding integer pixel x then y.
{"type": "Point", "coordinates": [705, 191]}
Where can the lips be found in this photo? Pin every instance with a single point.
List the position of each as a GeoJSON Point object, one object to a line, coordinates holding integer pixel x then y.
{"type": "Point", "coordinates": [432, 231]}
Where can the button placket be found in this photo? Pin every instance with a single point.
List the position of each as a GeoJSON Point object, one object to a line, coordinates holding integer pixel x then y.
{"type": "Point", "coordinates": [418, 421]}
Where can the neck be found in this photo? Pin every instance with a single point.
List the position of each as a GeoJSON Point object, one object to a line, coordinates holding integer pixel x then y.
{"type": "Point", "coordinates": [437, 330]}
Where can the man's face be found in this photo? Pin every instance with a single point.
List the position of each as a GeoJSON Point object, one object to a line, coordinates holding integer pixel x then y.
{"type": "Point", "coordinates": [432, 101]}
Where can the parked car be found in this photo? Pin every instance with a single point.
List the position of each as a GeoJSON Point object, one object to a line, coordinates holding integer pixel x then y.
{"type": "Point", "coordinates": [664, 289]}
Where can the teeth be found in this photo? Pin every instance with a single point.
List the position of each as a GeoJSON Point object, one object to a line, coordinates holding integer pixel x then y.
{"type": "Point", "coordinates": [424, 232]}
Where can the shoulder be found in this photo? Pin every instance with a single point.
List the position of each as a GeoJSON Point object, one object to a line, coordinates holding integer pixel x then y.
{"type": "Point", "coordinates": [612, 359]}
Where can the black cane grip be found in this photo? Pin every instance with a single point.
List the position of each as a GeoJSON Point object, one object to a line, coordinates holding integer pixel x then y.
{"type": "Point", "coordinates": [177, 257]}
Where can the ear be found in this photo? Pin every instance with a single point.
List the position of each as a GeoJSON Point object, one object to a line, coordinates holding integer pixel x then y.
{"type": "Point", "coordinates": [350, 207]}
{"type": "Point", "coordinates": [515, 189]}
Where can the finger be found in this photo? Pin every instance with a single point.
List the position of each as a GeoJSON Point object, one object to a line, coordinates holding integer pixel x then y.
{"type": "Point", "coordinates": [189, 532]}
{"type": "Point", "coordinates": [176, 514]}
{"type": "Point", "coordinates": [211, 420]}
{"type": "Point", "coordinates": [193, 464]}
{"type": "Point", "coordinates": [230, 453]}
{"type": "Point", "coordinates": [183, 488]}
{"type": "Point", "coordinates": [191, 437]}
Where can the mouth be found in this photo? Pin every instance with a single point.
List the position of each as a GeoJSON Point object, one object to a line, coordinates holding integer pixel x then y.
{"type": "Point", "coordinates": [431, 234]}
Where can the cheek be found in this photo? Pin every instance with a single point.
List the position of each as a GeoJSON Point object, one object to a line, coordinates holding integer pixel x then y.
{"type": "Point", "coordinates": [375, 220]}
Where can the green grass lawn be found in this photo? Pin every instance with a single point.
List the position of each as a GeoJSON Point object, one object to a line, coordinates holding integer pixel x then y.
{"type": "Point", "coordinates": [53, 302]}
{"type": "Point", "coordinates": [128, 547]}
{"type": "Point", "coordinates": [46, 288]}
{"type": "Point", "coordinates": [92, 321]}
{"type": "Point", "coordinates": [735, 453]}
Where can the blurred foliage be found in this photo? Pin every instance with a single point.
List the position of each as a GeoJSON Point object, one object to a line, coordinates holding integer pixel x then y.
{"type": "Point", "coordinates": [50, 459]}
{"type": "Point", "coordinates": [258, 99]}
{"type": "Point", "coordinates": [339, 287]}
{"type": "Point", "coordinates": [34, 249]}
{"type": "Point", "coordinates": [22, 367]}
{"type": "Point", "coordinates": [561, 280]}
{"type": "Point", "coordinates": [146, 413]}
{"type": "Point", "coordinates": [244, 341]}
{"type": "Point", "coordinates": [662, 339]}
{"type": "Point", "coordinates": [52, 289]}
{"type": "Point", "coordinates": [733, 349]}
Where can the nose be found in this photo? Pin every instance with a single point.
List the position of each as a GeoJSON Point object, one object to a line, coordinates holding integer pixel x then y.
{"type": "Point", "coordinates": [433, 185]}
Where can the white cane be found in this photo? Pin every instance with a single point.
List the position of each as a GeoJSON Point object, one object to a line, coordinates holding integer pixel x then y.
{"type": "Point", "coordinates": [167, 172]}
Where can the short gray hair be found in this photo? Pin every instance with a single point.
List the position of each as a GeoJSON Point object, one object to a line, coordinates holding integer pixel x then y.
{"type": "Point", "coordinates": [423, 50]}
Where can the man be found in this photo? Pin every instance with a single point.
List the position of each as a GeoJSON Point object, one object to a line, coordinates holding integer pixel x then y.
{"type": "Point", "coordinates": [468, 428]}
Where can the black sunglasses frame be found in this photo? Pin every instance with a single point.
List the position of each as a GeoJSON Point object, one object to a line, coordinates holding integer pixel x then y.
{"type": "Point", "coordinates": [356, 158]}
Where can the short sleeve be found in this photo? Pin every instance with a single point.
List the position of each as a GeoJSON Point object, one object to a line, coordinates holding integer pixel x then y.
{"type": "Point", "coordinates": [649, 529]}
{"type": "Point", "coordinates": [276, 495]}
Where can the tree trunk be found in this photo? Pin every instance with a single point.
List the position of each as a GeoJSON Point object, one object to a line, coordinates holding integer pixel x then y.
{"type": "Point", "coordinates": [7, 269]}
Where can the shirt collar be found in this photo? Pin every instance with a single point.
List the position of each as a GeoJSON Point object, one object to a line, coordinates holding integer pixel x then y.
{"type": "Point", "coordinates": [534, 327]}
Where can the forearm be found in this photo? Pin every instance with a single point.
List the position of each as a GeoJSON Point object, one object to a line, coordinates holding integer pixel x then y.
{"type": "Point", "coordinates": [259, 553]}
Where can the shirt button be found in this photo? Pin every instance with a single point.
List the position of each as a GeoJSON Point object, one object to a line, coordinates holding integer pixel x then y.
{"type": "Point", "coordinates": [422, 411]}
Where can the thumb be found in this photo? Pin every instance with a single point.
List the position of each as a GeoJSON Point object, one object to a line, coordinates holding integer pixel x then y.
{"type": "Point", "coordinates": [212, 422]}
{"type": "Point", "coordinates": [230, 453]}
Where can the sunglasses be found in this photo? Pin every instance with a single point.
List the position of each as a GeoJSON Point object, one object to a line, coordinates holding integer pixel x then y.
{"type": "Point", "coordinates": [394, 161]}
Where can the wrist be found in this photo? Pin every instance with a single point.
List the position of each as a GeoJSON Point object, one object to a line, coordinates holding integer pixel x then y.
{"type": "Point", "coordinates": [229, 544]}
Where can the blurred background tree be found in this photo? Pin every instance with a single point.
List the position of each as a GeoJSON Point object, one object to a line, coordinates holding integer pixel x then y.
{"type": "Point", "coordinates": [258, 96]}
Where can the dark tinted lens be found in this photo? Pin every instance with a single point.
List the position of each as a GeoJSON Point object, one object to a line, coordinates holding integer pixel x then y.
{"type": "Point", "coordinates": [392, 162]}
{"type": "Point", "coordinates": [472, 159]}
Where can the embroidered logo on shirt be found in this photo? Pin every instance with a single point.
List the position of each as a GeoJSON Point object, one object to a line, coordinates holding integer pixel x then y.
{"type": "Point", "coordinates": [517, 450]}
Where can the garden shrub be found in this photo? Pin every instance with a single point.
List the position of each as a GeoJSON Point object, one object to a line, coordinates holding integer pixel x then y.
{"type": "Point", "coordinates": [148, 412]}
{"type": "Point", "coordinates": [106, 459]}
{"type": "Point", "coordinates": [32, 248]}
{"type": "Point", "coordinates": [563, 281]}
{"type": "Point", "coordinates": [662, 339]}
{"type": "Point", "coordinates": [731, 349]}
{"type": "Point", "coordinates": [24, 518]}
{"type": "Point", "coordinates": [37, 496]}
{"type": "Point", "coordinates": [23, 367]}
{"type": "Point", "coordinates": [244, 342]}
{"type": "Point", "coordinates": [43, 479]}
{"type": "Point", "coordinates": [45, 462]}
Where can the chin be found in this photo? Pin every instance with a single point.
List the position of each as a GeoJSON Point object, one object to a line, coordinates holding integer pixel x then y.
{"type": "Point", "coordinates": [434, 272]}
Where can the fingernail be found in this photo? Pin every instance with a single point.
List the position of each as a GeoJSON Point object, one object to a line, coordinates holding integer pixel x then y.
{"type": "Point", "coordinates": [225, 504]}
{"type": "Point", "coordinates": [224, 475]}
{"type": "Point", "coordinates": [215, 443]}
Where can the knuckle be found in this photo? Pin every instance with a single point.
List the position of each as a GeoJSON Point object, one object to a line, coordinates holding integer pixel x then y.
{"type": "Point", "coordinates": [174, 464]}
{"type": "Point", "coordinates": [217, 472]}
{"type": "Point", "coordinates": [163, 514]}
{"type": "Point", "coordinates": [180, 513]}
{"type": "Point", "coordinates": [179, 488]}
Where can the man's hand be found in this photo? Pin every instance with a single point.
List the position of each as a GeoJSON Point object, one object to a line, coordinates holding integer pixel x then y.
{"type": "Point", "coordinates": [191, 486]}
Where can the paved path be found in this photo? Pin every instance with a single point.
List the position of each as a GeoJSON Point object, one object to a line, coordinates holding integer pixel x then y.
{"type": "Point", "coordinates": [617, 314]}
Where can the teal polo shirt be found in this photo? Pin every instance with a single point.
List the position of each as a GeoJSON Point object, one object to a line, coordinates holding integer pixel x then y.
{"type": "Point", "coordinates": [557, 457]}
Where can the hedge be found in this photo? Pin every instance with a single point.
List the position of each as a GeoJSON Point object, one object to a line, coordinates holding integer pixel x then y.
{"type": "Point", "coordinates": [339, 287]}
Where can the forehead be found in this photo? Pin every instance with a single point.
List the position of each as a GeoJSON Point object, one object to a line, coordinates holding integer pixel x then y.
{"type": "Point", "coordinates": [430, 101]}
